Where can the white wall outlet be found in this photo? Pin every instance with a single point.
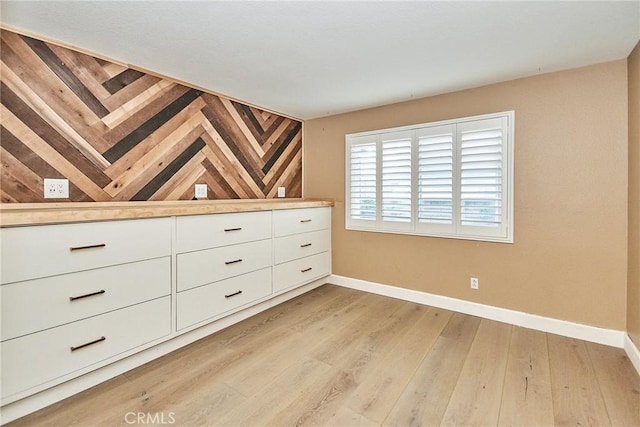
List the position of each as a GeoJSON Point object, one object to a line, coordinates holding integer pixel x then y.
{"type": "Point", "coordinates": [280, 191]}
{"type": "Point", "coordinates": [201, 191]}
{"type": "Point", "coordinates": [56, 188]}
{"type": "Point", "coordinates": [475, 283]}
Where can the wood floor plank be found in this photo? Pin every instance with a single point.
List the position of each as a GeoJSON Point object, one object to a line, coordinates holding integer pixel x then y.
{"type": "Point", "coordinates": [340, 357]}
{"type": "Point", "coordinates": [352, 336]}
{"type": "Point", "coordinates": [619, 383]}
{"type": "Point", "coordinates": [376, 395]}
{"type": "Point", "coordinates": [346, 417]}
{"type": "Point", "coordinates": [577, 399]}
{"type": "Point", "coordinates": [526, 396]}
{"type": "Point", "coordinates": [315, 306]}
{"type": "Point", "coordinates": [354, 361]}
{"type": "Point", "coordinates": [203, 407]}
{"type": "Point", "coordinates": [425, 399]}
{"type": "Point", "coordinates": [269, 361]}
{"type": "Point", "coordinates": [321, 399]}
{"type": "Point", "coordinates": [195, 362]}
{"type": "Point", "coordinates": [297, 380]}
{"type": "Point", "coordinates": [476, 398]}
{"type": "Point", "coordinates": [117, 391]}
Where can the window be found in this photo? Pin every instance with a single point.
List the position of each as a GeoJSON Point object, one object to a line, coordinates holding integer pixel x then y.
{"type": "Point", "coordinates": [446, 179]}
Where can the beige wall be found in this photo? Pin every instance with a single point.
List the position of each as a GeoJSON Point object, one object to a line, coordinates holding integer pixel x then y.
{"type": "Point", "coordinates": [569, 256]}
{"type": "Point", "coordinates": [633, 291]}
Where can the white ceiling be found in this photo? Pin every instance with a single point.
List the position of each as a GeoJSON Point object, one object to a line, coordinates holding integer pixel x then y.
{"type": "Point", "coordinates": [317, 58]}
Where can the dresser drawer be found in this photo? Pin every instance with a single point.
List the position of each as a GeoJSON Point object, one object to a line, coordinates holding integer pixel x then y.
{"type": "Point", "coordinates": [211, 231]}
{"type": "Point", "coordinates": [294, 221]}
{"type": "Point", "coordinates": [206, 302]}
{"type": "Point", "coordinates": [302, 245]}
{"type": "Point", "coordinates": [47, 250]}
{"type": "Point", "coordinates": [301, 271]}
{"type": "Point", "coordinates": [39, 304]}
{"type": "Point", "coordinates": [44, 356]}
{"type": "Point", "coordinates": [203, 267]}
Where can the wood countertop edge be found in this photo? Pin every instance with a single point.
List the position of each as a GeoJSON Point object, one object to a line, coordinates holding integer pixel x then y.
{"type": "Point", "coordinates": [23, 214]}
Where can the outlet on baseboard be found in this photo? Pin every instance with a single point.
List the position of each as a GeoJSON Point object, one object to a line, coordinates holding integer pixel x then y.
{"type": "Point", "coordinates": [55, 188]}
{"type": "Point", "coordinates": [475, 283]}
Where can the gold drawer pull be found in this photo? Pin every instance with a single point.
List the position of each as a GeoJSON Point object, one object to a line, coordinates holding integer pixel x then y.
{"type": "Point", "coordinates": [306, 269]}
{"type": "Point", "coordinates": [88, 344]}
{"type": "Point", "coordinates": [79, 248]}
{"type": "Point", "coordinates": [233, 262]}
{"type": "Point", "coordinates": [305, 220]}
{"type": "Point", "coordinates": [306, 245]}
{"type": "Point", "coordinates": [233, 294]}
{"type": "Point", "coordinates": [100, 292]}
{"type": "Point", "coordinates": [233, 229]}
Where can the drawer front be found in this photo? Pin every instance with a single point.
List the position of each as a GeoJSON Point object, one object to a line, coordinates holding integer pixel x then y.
{"type": "Point", "coordinates": [210, 231]}
{"type": "Point", "coordinates": [207, 266]}
{"type": "Point", "coordinates": [39, 304]}
{"type": "Point", "coordinates": [206, 302]}
{"type": "Point", "coordinates": [47, 250]}
{"type": "Point", "coordinates": [37, 358]}
{"type": "Point", "coordinates": [301, 271]}
{"type": "Point", "coordinates": [294, 221]}
{"type": "Point", "coordinates": [302, 245]}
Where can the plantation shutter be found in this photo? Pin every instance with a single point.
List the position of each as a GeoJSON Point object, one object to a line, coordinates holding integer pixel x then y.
{"type": "Point", "coordinates": [482, 153]}
{"type": "Point", "coordinates": [362, 181]}
{"type": "Point", "coordinates": [435, 168]}
{"type": "Point", "coordinates": [396, 178]}
{"type": "Point", "coordinates": [452, 178]}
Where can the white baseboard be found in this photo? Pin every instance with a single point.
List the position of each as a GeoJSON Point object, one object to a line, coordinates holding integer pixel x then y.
{"type": "Point", "coordinates": [608, 337]}
{"type": "Point", "coordinates": [633, 353]}
{"type": "Point", "coordinates": [22, 407]}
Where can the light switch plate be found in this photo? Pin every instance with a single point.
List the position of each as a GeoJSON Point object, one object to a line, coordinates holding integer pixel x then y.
{"type": "Point", "coordinates": [55, 188]}
{"type": "Point", "coordinates": [280, 191]}
{"type": "Point", "coordinates": [201, 191]}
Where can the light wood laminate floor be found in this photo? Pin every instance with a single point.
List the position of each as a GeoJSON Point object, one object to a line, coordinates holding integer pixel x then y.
{"type": "Point", "coordinates": [340, 357]}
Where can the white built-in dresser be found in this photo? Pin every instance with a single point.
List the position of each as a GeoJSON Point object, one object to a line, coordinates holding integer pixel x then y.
{"type": "Point", "coordinates": [89, 291]}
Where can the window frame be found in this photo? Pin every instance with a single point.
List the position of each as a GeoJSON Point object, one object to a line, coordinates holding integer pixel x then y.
{"type": "Point", "coordinates": [504, 233]}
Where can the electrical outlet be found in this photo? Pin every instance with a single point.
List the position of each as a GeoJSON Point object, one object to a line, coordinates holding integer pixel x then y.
{"type": "Point", "coordinates": [201, 191]}
{"type": "Point", "coordinates": [280, 191]}
{"type": "Point", "coordinates": [56, 188]}
{"type": "Point", "coordinates": [475, 283]}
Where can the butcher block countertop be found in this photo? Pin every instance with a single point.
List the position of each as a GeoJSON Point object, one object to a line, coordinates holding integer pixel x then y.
{"type": "Point", "coordinates": [18, 214]}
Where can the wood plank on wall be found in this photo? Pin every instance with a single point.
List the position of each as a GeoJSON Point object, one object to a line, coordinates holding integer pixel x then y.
{"type": "Point", "coordinates": [111, 130]}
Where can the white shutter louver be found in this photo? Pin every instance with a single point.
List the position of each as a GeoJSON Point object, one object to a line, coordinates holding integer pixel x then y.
{"type": "Point", "coordinates": [435, 175]}
{"type": "Point", "coordinates": [452, 178]}
{"type": "Point", "coordinates": [481, 173]}
{"type": "Point", "coordinates": [396, 177]}
{"type": "Point", "coordinates": [363, 181]}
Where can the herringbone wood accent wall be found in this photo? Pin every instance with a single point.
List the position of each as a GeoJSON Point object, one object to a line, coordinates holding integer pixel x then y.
{"type": "Point", "coordinates": [119, 134]}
